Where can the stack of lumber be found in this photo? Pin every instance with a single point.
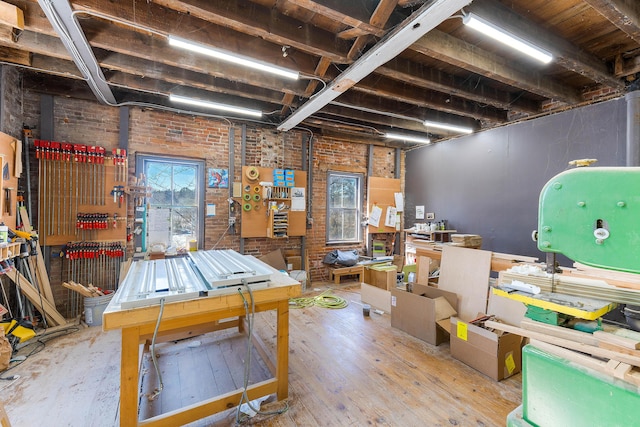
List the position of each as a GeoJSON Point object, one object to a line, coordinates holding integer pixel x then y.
{"type": "Point", "coordinates": [467, 240]}
{"type": "Point", "coordinates": [613, 351]}
{"type": "Point", "coordinates": [89, 291]}
{"type": "Point", "coordinates": [578, 285]}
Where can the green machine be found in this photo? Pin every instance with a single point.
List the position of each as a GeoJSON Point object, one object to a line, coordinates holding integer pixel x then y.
{"type": "Point", "coordinates": [591, 215]}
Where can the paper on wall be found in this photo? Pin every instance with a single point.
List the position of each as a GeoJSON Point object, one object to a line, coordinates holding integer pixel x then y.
{"type": "Point", "coordinates": [419, 212]}
{"type": "Point", "coordinates": [399, 202]}
{"type": "Point", "coordinates": [298, 200]}
{"type": "Point", "coordinates": [390, 219]}
{"type": "Point", "coordinates": [374, 218]}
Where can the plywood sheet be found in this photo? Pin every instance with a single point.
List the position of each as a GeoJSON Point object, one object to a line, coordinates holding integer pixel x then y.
{"type": "Point", "coordinates": [507, 310]}
{"type": "Point", "coordinates": [381, 193]}
{"type": "Point", "coordinates": [466, 272]}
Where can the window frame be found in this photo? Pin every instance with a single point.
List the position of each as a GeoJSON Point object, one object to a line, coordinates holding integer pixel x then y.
{"type": "Point", "coordinates": [360, 203]}
{"type": "Point", "coordinates": [200, 166]}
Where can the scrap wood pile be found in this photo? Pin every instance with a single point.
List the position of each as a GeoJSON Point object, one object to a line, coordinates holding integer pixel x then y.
{"type": "Point", "coordinates": [87, 291]}
{"type": "Point", "coordinates": [614, 351]}
{"type": "Point", "coordinates": [467, 240]}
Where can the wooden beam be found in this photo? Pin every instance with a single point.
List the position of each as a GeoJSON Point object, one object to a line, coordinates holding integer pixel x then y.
{"type": "Point", "coordinates": [473, 89]}
{"type": "Point", "coordinates": [471, 58]}
{"type": "Point", "coordinates": [353, 14]}
{"type": "Point", "coordinates": [379, 18]}
{"type": "Point", "coordinates": [11, 16]}
{"type": "Point", "coordinates": [395, 90]}
{"type": "Point", "coordinates": [565, 54]}
{"type": "Point", "coordinates": [123, 39]}
{"type": "Point", "coordinates": [624, 14]}
{"type": "Point", "coordinates": [386, 104]}
{"type": "Point", "coordinates": [15, 56]}
{"type": "Point", "coordinates": [566, 343]}
{"type": "Point", "coordinates": [259, 21]}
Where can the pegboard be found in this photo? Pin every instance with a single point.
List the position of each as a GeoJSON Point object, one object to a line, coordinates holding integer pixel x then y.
{"type": "Point", "coordinates": [254, 203]}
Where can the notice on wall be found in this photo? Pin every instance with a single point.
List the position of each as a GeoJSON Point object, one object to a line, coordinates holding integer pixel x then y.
{"type": "Point", "coordinates": [374, 218]}
{"type": "Point", "coordinates": [399, 202]}
{"type": "Point", "coordinates": [390, 218]}
{"type": "Point", "coordinates": [419, 212]}
{"type": "Point", "coordinates": [298, 199]}
{"type": "Point", "coordinates": [159, 227]}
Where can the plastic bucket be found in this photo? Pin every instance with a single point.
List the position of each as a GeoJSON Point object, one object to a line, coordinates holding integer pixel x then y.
{"type": "Point", "coordinates": [300, 276]}
{"type": "Point", "coordinates": [94, 307]}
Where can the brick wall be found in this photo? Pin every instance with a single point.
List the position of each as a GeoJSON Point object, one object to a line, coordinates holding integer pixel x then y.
{"type": "Point", "coordinates": [160, 132]}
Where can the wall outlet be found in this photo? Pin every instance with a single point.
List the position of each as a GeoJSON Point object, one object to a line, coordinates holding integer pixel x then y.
{"type": "Point", "coordinates": [232, 220]}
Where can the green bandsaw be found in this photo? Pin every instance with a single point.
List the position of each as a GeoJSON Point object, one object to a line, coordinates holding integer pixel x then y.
{"type": "Point", "coordinates": [592, 215]}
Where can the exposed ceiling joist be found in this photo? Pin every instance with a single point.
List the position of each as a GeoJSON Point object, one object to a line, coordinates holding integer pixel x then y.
{"type": "Point", "coordinates": [464, 55]}
{"type": "Point", "coordinates": [565, 54]}
{"type": "Point", "coordinates": [451, 74]}
{"type": "Point", "coordinates": [624, 14]}
{"type": "Point", "coordinates": [423, 21]}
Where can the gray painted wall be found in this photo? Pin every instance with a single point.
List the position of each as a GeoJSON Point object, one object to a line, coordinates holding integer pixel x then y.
{"type": "Point", "coordinates": [489, 183]}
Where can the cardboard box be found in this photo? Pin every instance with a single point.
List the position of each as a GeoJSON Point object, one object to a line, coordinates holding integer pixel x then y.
{"type": "Point", "coordinates": [275, 260]}
{"type": "Point", "coordinates": [424, 312]}
{"type": "Point", "coordinates": [376, 297]}
{"type": "Point", "coordinates": [294, 262]}
{"type": "Point", "coordinates": [497, 356]}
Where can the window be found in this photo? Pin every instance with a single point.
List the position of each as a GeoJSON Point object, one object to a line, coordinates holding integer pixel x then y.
{"type": "Point", "coordinates": [176, 206]}
{"type": "Point", "coordinates": [344, 206]}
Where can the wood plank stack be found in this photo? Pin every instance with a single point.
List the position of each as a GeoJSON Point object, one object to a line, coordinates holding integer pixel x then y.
{"type": "Point", "coordinates": [467, 240]}
{"type": "Point", "coordinates": [89, 291]}
{"type": "Point", "coordinates": [612, 352]}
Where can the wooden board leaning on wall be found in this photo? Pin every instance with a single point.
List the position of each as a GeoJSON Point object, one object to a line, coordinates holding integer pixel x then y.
{"type": "Point", "coordinates": [255, 218]}
{"type": "Point", "coordinates": [11, 167]}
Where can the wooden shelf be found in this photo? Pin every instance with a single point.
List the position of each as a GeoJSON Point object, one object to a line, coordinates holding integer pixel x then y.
{"type": "Point", "coordinates": [9, 250]}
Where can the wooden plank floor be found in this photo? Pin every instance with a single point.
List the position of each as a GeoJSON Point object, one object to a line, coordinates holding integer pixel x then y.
{"type": "Point", "coordinates": [344, 369]}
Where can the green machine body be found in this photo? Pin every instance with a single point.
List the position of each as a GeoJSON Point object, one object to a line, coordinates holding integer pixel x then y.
{"type": "Point", "coordinates": [592, 216]}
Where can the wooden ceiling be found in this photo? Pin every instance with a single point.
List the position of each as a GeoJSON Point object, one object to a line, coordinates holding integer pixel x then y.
{"type": "Point", "coordinates": [451, 74]}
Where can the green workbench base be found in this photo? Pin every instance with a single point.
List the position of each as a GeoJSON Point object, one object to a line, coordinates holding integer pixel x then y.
{"type": "Point", "coordinates": [557, 392]}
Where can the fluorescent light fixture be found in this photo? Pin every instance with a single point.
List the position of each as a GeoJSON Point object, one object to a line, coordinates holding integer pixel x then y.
{"type": "Point", "coordinates": [214, 105]}
{"type": "Point", "coordinates": [233, 58]}
{"type": "Point", "coordinates": [479, 24]}
{"type": "Point", "coordinates": [445, 126]}
{"type": "Point", "coordinates": [409, 138]}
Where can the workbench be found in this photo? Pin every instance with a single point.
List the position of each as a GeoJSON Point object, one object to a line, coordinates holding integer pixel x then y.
{"type": "Point", "coordinates": [193, 317]}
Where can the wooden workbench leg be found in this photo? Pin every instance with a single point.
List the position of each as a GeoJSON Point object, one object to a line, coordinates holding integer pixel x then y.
{"type": "Point", "coordinates": [129, 377]}
{"type": "Point", "coordinates": [282, 347]}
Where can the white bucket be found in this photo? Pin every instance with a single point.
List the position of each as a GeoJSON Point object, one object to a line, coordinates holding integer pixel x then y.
{"type": "Point", "coordinates": [300, 276]}
{"type": "Point", "coordinates": [94, 307]}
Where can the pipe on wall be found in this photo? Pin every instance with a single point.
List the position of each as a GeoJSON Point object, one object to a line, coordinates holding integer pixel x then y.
{"type": "Point", "coordinates": [633, 128]}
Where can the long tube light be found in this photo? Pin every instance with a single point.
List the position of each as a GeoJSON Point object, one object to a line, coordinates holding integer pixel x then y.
{"type": "Point", "coordinates": [215, 105]}
{"type": "Point", "coordinates": [233, 58]}
{"type": "Point", "coordinates": [498, 34]}
{"type": "Point", "coordinates": [409, 138]}
{"type": "Point", "coordinates": [445, 126]}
